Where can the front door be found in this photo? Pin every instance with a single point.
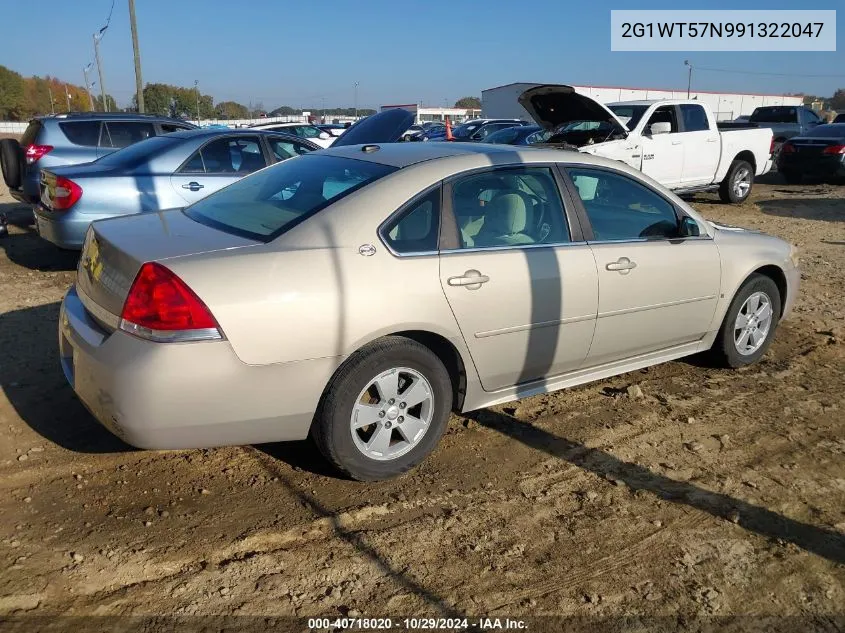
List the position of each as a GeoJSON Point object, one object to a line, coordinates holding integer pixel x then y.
{"type": "Point", "coordinates": [524, 296]}
{"type": "Point", "coordinates": [218, 163]}
{"type": "Point", "coordinates": [663, 153]}
{"type": "Point", "coordinates": [656, 288]}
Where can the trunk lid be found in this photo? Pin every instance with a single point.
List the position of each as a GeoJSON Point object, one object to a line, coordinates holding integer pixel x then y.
{"type": "Point", "coordinates": [115, 250]}
{"type": "Point", "coordinates": [385, 127]}
{"type": "Point", "coordinates": [553, 105]}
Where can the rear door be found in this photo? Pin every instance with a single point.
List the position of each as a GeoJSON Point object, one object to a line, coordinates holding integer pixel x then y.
{"type": "Point", "coordinates": [220, 162]}
{"type": "Point", "coordinates": [519, 279]}
{"type": "Point", "coordinates": [701, 145]}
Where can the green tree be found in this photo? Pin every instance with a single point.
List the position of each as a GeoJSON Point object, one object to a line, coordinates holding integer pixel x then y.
{"type": "Point", "coordinates": [158, 99]}
{"type": "Point", "coordinates": [231, 110]}
{"type": "Point", "coordinates": [837, 101]}
{"type": "Point", "coordinates": [470, 103]}
{"type": "Point", "coordinates": [13, 104]}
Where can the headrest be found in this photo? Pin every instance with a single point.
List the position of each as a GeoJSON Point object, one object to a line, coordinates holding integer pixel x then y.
{"type": "Point", "coordinates": [507, 215]}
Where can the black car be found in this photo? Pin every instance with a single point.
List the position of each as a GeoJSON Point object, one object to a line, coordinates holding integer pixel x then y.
{"type": "Point", "coordinates": [817, 153]}
{"type": "Point", "coordinates": [519, 135]}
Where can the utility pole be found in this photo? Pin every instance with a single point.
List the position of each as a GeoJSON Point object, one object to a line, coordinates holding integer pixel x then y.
{"type": "Point", "coordinates": [197, 88]}
{"type": "Point", "coordinates": [356, 100]}
{"type": "Point", "coordinates": [88, 86]}
{"type": "Point", "coordinates": [52, 107]}
{"type": "Point", "coordinates": [689, 77]}
{"type": "Point", "coordinates": [97, 37]}
{"type": "Point", "coordinates": [139, 84]}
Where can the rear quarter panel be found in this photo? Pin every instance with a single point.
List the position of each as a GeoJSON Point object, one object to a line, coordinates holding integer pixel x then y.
{"type": "Point", "coordinates": [756, 140]}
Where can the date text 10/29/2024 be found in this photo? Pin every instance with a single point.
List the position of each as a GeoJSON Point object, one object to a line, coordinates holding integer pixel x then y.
{"type": "Point", "coordinates": [416, 624]}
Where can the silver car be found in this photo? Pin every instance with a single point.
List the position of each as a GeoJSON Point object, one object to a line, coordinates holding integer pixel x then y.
{"type": "Point", "coordinates": [163, 172]}
{"type": "Point", "coordinates": [360, 294]}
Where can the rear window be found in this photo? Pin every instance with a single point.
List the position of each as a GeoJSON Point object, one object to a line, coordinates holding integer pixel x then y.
{"type": "Point", "coordinates": [827, 131]}
{"type": "Point", "coordinates": [774, 115]}
{"type": "Point", "coordinates": [31, 133]}
{"type": "Point", "coordinates": [137, 153]}
{"type": "Point", "coordinates": [274, 200]}
{"type": "Point", "coordinates": [85, 133]}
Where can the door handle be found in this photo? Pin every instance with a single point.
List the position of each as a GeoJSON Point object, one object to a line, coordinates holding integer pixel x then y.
{"type": "Point", "coordinates": [712, 140]}
{"type": "Point", "coordinates": [471, 280]}
{"type": "Point", "coordinates": [676, 142]}
{"type": "Point", "coordinates": [623, 266]}
{"type": "Point", "coordinates": [193, 186]}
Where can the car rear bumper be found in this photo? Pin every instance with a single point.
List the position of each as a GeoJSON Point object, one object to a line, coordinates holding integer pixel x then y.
{"type": "Point", "coordinates": [184, 395]}
{"type": "Point", "coordinates": [65, 231]}
{"type": "Point", "coordinates": [817, 166]}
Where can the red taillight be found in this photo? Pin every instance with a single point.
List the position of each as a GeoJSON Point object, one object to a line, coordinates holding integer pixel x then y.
{"type": "Point", "coordinates": [787, 148]}
{"type": "Point", "coordinates": [834, 149]}
{"type": "Point", "coordinates": [159, 300]}
{"type": "Point", "coordinates": [772, 146]}
{"type": "Point", "coordinates": [34, 152]}
{"type": "Point", "coordinates": [65, 194]}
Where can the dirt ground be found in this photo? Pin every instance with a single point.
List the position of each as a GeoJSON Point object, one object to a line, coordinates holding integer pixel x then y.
{"type": "Point", "coordinates": [714, 493]}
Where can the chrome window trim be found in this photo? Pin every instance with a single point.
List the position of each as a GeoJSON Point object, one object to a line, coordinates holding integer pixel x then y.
{"type": "Point", "coordinates": [652, 239]}
{"type": "Point", "coordinates": [515, 247]}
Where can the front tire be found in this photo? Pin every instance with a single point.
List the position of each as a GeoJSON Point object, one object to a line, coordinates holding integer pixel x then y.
{"type": "Point", "coordinates": [750, 323]}
{"type": "Point", "coordinates": [739, 180]}
{"type": "Point", "coordinates": [385, 409]}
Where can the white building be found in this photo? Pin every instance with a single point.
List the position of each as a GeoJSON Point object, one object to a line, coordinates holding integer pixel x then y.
{"type": "Point", "coordinates": [423, 113]}
{"type": "Point", "coordinates": [501, 102]}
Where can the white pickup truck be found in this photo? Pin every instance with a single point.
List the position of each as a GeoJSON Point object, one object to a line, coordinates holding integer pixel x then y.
{"type": "Point", "coordinates": [676, 142]}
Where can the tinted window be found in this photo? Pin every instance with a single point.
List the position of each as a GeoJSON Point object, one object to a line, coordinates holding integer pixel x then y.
{"type": "Point", "coordinates": [664, 114]}
{"type": "Point", "coordinates": [840, 118]}
{"type": "Point", "coordinates": [811, 116]}
{"type": "Point", "coordinates": [31, 133]}
{"type": "Point", "coordinates": [139, 152]}
{"type": "Point", "coordinates": [85, 133]}
{"type": "Point", "coordinates": [695, 119]}
{"type": "Point", "coordinates": [227, 155]}
{"type": "Point", "coordinates": [828, 131]}
{"type": "Point", "coordinates": [270, 202]}
{"type": "Point", "coordinates": [620, 208]}
{"type": "Point", "coordinates": [510, 207]}
{"type": "Point", "coordinates": [307, 131]}
{"type": "Point", "coordinates": [505, 137]}
{"type": "Point", "coordinates": [417, 228]}
{"type": "Point", "coordinates": [167, 128]}
{"type": "Point", "coordinates": [774, 114]}
{"type": "Point", "coordinates": [126, 133]}
{"type": "Point", "coordinates": [283, 148]}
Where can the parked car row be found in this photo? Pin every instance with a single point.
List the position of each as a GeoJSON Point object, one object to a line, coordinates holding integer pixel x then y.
{"type": "Point", "coordinates": [358, 294]}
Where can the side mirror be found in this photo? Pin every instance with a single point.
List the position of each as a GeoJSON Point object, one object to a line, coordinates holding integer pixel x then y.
{"type": "Point", "coordinates": [660, 127]}
{"type": "Point", "coordinates": [689, 227]}
{"type": "Point", "coordinates": [324, 135]}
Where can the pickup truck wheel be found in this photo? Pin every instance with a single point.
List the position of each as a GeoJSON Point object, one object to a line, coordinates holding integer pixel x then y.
{"type": "Point", "coordinates": [736, 186]}
{"type": "Point", "coordinates": [792, 177]}
{"type": "Point", "coordinates": [384, 410]}
{"type": "Point", "coordinates": [750, 323]}
{"type": "Point", "coordinates": [10, 162]}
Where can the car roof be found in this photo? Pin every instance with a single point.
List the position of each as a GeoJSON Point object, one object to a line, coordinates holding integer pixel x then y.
{"type": "Point", "coordinates": [485, 154]}
{"type": "Point", "coordinates": [125, 116]}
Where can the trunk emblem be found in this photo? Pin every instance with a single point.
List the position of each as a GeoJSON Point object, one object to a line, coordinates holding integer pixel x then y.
{"type": "Point", "coordinates": [367, 250]}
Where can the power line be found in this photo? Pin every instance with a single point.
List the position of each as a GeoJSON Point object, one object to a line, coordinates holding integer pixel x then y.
{"type": "Point", "coordinates": [752, 72]}
{"type": "Point", "coordinates": [108, 19]}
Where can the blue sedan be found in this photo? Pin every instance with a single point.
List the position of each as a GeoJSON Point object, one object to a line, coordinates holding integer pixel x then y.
{"type": "Point", "coordinates": [163, 172]}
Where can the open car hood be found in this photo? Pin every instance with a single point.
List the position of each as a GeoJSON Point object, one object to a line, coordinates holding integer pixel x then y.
{"type": "Point", "coordinates": [385, 127]}
{"type": "Point", "coordinates": [552, 105]}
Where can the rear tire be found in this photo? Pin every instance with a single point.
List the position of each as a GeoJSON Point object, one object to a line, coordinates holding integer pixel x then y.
{"type": "Point", "coordinates": [10, 162]}
{"type": "Point", "coordinates": [731, 349]}
{"type": "Point", "coordinates": [738, 182]}
{"type": "Point", "coordinates": [792, 177]}
{"type": "Point", "coordinates": [361, 388]}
